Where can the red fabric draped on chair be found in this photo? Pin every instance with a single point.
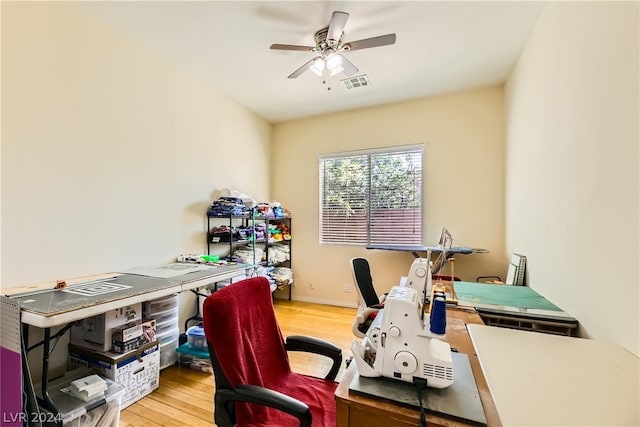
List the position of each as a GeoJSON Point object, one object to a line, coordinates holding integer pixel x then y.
{"type": "Point", "coordinates": [242, 330]}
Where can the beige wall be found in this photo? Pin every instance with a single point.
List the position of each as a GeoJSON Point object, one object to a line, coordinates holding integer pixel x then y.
{"type": "Point", "coordinates": [463, 136]}
{"type": "Point", "coordinates": [110, 156]}
{"type": "Point", "coordinates": [572, 164]}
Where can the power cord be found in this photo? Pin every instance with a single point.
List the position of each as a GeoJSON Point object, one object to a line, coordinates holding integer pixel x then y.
{"type": "Point", "coordinates": [421, 384]}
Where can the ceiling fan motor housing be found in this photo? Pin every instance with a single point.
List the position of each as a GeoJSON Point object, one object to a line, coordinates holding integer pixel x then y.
{"type": "Point", "coordinates": [321, 40]}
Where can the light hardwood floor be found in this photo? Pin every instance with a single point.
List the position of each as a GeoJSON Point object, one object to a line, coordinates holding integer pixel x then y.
{"type": "Point", "coordinates": [185, 397]}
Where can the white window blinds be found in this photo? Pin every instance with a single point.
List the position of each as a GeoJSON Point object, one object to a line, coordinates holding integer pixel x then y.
{"type": "Point", "coordinates": [372, 197]}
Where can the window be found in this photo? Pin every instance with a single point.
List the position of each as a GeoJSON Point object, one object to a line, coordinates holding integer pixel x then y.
{"type": "Point", "coordinates": [372, 197]}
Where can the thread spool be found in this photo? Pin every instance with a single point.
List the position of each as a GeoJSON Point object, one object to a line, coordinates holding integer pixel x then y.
{"type": "Point", "coordinates": [438, 319]}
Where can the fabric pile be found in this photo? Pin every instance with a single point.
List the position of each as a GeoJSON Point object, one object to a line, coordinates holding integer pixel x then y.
{"type": "Point", "coordinates": [224, 233]}
{"type": "Point", "coordinates": [245, 255]}
{"type": "Point", "coordinates": [279, 231]}
{"type": "Point", "coordinates": [279, 254]}
{"type": "Point", "coordinates": [261, 232]}
{"type": "Point", "coordinates": [280, 277]}
{"type": "Point", "coordinates": [272, 209]}
{"type": "Point", "coordinates": [231, 204]}
{"type": "Point", "coordinates": [228, 206]}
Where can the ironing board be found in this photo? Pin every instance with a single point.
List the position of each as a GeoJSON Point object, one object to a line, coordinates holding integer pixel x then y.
{"type": "Point", "coordinates": [440, 263]}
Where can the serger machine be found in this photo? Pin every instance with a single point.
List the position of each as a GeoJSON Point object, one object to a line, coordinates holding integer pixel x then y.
{"type": "Point", "coordinates": [402, 343]}
{"type": "Point", "coordinates": [419, 277]}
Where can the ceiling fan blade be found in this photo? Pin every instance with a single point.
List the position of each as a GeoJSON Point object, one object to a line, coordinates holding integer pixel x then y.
{"type": "Point", "coordinates": [385, 40]}
{"type": "Point", "coordinates": [336, 27]}
{"type": "Point", "coordinates": [349, 68]}
{"type": "Point", "coordinates": [290, 47]}
{"type": "Point", "coordinates": [302, 69]}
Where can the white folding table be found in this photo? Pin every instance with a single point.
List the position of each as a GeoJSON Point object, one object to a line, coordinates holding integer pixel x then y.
{"type": "Point", "coordinates": [539, 379]}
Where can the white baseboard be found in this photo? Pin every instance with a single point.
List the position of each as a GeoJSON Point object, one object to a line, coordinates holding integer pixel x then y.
{"type": "Point", "coordinates": [326, 302]}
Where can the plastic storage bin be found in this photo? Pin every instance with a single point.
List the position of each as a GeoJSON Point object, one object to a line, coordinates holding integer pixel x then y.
{"type": "Point", "coordinates": [165, 311]}
{"type": "Point", "coordinates": [169, 353]}
{"type": "Point", "coordinates": [160, 305]}
{"type": "Point", "coordinates": [194, 359]}
{"type": "Point", "coordinates": [166, 316]}
{"type": "Point", "coordinates": [101, 411]}
{"type": "Point", "coordinates": [166, 321]}
{"type": "Point", "coordinates": [167, 336]}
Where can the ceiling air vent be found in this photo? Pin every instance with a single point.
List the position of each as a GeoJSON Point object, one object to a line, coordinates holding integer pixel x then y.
{"type": "Point", "coordinates": [358, 81]}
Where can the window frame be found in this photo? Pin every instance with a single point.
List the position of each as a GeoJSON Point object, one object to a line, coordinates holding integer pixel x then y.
{"type": "Point", "coordinates": [326, 238]}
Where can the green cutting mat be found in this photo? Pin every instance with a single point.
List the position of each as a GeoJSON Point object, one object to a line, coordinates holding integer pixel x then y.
{"type": "Point", "coordinates": [506, 295]}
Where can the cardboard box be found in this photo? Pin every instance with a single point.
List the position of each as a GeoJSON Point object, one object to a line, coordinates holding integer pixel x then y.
{"type": "Point", "coordinates": [138, 371]}
{"type": "Point", "coordinates": [127, 332]}
{"type": "Point", "coordinates": [148, 330]}
{"type": "Point", "coordinates": [126, 346]}
{"type": "Point", "coordinates": [95, 332]}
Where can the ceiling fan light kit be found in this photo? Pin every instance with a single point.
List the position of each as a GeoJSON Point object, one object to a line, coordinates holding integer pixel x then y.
{"type": "Point", "coordinates": [332, 63]}
{"type": "Point", "coordinates": [329, 46]}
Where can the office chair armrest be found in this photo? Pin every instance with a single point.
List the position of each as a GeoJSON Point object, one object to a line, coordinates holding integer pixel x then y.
{"type": "Point", "coordinates": [317, 346]}
{"type": "Point", "coordinates": [267, 397]}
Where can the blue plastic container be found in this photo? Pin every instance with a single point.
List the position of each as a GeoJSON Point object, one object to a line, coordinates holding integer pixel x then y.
{"type": "Point", "coordinates": [196, 338]}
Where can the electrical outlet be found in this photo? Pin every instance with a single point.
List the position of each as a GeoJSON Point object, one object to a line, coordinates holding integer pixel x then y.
{"type": "Point", "coordinates": [346, 288]}
{"type": "Point", "coordinates": [310, 285]}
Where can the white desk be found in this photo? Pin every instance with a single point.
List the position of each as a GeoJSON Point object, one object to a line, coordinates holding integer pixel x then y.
{"type": "Point", "coordinates": [64, 306]}
{"type": "Point", "coordinates": [538, 379]}
{"type": "Point", "coordinates": [48, 308]}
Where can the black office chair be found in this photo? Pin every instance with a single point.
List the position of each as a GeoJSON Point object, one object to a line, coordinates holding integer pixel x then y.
{"type": "Point", "coordinates": [369, 303]}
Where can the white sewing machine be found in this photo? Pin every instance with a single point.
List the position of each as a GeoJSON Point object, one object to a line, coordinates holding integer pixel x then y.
{"type": "Point", "coordinates": [419, 277]}
{"type": "Point", "coordinates": [399, 343]}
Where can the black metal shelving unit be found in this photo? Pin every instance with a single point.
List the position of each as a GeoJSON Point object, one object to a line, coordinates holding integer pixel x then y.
{"type": "Point", "coordinates": [249, 222]}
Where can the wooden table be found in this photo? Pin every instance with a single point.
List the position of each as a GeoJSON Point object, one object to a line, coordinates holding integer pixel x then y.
{"type": "Point", "coordinates": [355, 410]}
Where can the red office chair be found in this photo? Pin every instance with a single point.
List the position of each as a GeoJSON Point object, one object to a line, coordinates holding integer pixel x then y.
{"type": "Point", "coordinates": [254, 382]}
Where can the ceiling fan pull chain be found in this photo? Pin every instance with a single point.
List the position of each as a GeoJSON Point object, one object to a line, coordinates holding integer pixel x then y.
{"type": "Point", "coordinates": [325, 73]}
{"type": "Point", "coordinates": [326, 77]}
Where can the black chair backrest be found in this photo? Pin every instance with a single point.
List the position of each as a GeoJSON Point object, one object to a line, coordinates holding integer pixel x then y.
{"type": "Point", "coordinates": [222, 416]}
{"type": "Point", "coordinates": [362, 274]}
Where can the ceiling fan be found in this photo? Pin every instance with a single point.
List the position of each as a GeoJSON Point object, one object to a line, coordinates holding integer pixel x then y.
{"type": "Point", "coordinates": [329, 47]}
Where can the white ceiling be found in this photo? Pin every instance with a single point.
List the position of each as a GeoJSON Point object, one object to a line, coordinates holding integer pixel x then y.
{"type": "Point", "coordinates": [442, 46]}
